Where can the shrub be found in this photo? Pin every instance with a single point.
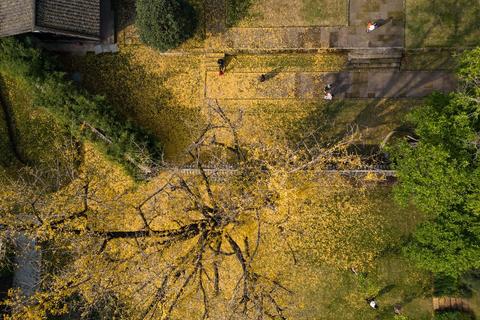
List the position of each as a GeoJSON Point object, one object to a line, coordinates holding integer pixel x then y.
{"type": "Point", "coordinates": [237, 10]}
{"type": "Point", "coordinates": [445, 285]}
{"type": "Point", "coordinates": [452, 315]}
{"type": "Point", "coordinates": [84, 115]}
{"type": "Point", "coordinates": [164, 24]}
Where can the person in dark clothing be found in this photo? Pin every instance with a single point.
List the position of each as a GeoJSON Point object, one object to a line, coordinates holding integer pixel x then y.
{"type": "Point", "coordinates": [371, 26]}
{"type": "Point", "coordinates": [221, 66]}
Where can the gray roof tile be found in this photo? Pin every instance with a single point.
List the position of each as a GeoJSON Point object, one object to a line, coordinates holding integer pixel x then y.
{"type": "Point", "coordinates": [78, 16]}
{"type": "Point", "coordinates": [16, 16]}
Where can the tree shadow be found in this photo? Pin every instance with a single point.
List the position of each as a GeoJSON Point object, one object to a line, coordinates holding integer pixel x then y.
{"type": "Point", "coordinates": [378, 124]}
{"type": "Point", "coordinates": [453, 21]}
{"type": "Point", "coordinates": [236, 10]}
{"type": "Point", "coordinates": [385, 290]}
{"type": "Point", "coordinates": [317, 126]}
{"type": "Point", "coordinates": [141, 97]}
{"type": "Point", "coordinates": [430, 60]}
{"type": "Point", "coordinates": [125, 13]}
{"type": "Point", "coordinates": [27, 137]}
{"type": "Point", "coordinates": [10, 124]}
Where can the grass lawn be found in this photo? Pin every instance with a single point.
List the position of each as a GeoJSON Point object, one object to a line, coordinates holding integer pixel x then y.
{"type": "Point", "coordinates": [277, 121]}
{"type": "Point", "coordinates": [42, 142]}
{"type": "Point", "coordinates": [286, 13]}
{"type": "Point", "coordinates": [330, 294]}
{"type": "Point", "coordinates": [445, 23]}
{"type": "Point", "coordinates": [287, 62]}
{"type": "Point", "coordinates": [162, 94]}
{"type": "Point", "coordinates": [165, 94]}
{"type": "Point", "coordinates": [321, 291]}
{"type": "Point", "coordinates": [6, 156]}
{"type": "Point", "coordinates": [430, 60]}
{"type": "Point", "coordinates": [33, 127]}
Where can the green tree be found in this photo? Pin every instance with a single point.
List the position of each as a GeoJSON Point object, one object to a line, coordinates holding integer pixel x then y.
{"type": "Point", "coordinates": [440, 174]}
{"type": "Point", "coordinates": [164, 24]}
{"type": "Point", "coordinates": [183, 246]}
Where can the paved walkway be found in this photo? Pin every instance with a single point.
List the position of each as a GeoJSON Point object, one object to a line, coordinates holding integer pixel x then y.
{"type": "Point", "coordinates": [309, 85]}
{"type": "Point", "coordinates": [376, 79]}
{"type": "Point", "coordinates": [28, 265]}
{"type": "Point", "coordinates": [281, 38]}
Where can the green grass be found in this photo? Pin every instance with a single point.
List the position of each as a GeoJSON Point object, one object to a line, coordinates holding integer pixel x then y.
{"type": "Point", "coordinates": [6, 158]}
{"type": "Point", "coordinates": [326, 293]}
{"type": "Point", "coordinates": [445, 23]}
{"type": "Point", "coordinates": [276, 121]}
{"type": "Point", "coordinates": [285, 13]}
{"type": "Point", "coordinates": [430, 60]}
{"type": "Point", "coordinates": [341, 294]}
{"type": "Point", "coordinates": [161, 94]}
{"type": "Point", "coordinates": [41, 141]}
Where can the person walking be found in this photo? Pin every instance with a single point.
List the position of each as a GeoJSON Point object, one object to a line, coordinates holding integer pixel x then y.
{"type": "Point", "coordinates": [327, 91]}
{"type": "Point", "coordinates": [372, 302]}
{"type": "Point", "coordinates": [377, 24]}
{"type": "Point", "coordinates": [221, 66]}
{"type": "Point", "coordinates": [371, 26]}
{"type": "Point", "coordinates": [328, 96]}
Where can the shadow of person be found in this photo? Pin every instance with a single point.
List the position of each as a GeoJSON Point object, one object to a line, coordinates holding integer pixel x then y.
{"type": "Point", "coordinates": [270, 75]}
{"type": "Point", "coordinates": [385, 290]}
{"type": "Point", "coordinates": [382, 22]}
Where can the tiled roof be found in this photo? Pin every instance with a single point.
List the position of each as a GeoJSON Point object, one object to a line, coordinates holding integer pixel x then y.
{"type": "Point", "coordinates": [16, 16]}
{"type": "Point", "coordinates": [77, 16]}
{"type": "Point", "coordinates": [74, 17]}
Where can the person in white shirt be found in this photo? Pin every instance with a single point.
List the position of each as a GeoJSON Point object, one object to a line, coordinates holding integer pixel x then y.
{"type": "Point", "coordinates": [327, 92]}
{"type": "Point", "coordinates": [371, 26]}
{"type": "Point", "coordinates": [372, 303]}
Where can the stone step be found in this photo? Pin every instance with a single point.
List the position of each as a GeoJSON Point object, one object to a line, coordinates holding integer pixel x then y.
{"type": "Point", "coordinates": [374, 66]}
{"type": "Point", "coordinates": [443, 303]}
{"type": "Point", "coordinates": [210, 60]}
{"type": "Point", "coordinates": [374, 53]}
{"type": "Point", "coordinates": [369, 64]}
{"type": "Point", "coordinates": [373, 61]}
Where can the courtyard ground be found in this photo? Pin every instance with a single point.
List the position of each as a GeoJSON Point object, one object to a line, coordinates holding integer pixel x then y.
{"type": "Point", "coordinates": [301, 47]}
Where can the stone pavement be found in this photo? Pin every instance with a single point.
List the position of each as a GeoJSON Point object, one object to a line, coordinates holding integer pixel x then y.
{"type": "Point", "coordinates": [309, 85]}
{"type": "Point", "coordinates": [374, 58]}
{"type": "Point", "coordinates": [289, 37]}
{"type": "Point", "coordinates": [391, 34]}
